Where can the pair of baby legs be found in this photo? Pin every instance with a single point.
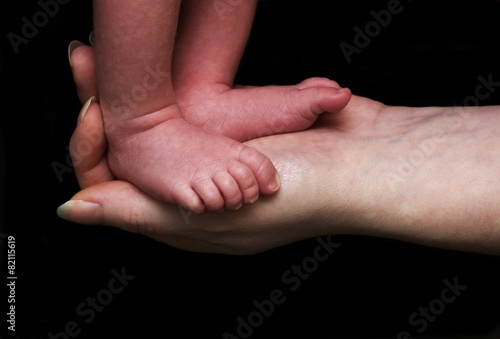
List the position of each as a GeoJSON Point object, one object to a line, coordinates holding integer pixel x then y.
{"type": "Point", "coordinates": [174, 121]}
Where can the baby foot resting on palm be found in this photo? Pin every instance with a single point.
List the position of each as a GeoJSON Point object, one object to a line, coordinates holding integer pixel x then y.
{"type": "Point", "coordinates": [185, 157]}
{"type": "Point", "coordinates": [197, 169]}
{"type": "Point", "coordinates": [198, 162]}
{"type": "Point", "coordinates": [249, 112]}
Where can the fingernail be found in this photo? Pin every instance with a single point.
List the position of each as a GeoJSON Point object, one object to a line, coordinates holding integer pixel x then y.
{"type": "Point", "coordinates": [254, 199]}
{"type": "Point", "coordinates": [91, 38]}
{"type": "Point", "coordinates": [71, 47]}
{"type": "Point", "coordinates": [275, 184]}
{"type": "Point", "coordinates": [84, 207]}
{"type": "Point", "coordinates": [85, 108]}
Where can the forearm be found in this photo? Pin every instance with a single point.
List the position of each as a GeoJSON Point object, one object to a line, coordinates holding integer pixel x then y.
{"type": "Point", "coordinates": [133, 44]}
{"type": "Point", "coordinates": [433, 179]}
{"type": "Point", "coordinates": [211, 40]}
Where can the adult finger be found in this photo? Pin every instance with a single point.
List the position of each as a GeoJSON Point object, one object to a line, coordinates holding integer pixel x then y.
{"type": "Point", "coordinates": [88, 147]}
{"type": "Point", "coordinates": [82, 63]}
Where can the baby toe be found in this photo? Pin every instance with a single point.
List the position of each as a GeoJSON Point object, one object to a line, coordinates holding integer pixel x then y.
{"type": "Point", "coordinates": [245, 178]}
{"type": "Point", "coordinates": [208, 192]}
{"type": "Point", "coordinates": [187, 198]}
{"type": "Point", "coordinates": [317, 82]}
{"type": "Point", "coordinates": [230, 190]}
{"type": "Point", "coordinates": [263, 169]}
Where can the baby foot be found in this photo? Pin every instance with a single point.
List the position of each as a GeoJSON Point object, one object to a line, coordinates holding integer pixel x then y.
{"type": "Point", "coordinates": [194, 168]}
{"type": "Point", "coordinates": [249, 112]}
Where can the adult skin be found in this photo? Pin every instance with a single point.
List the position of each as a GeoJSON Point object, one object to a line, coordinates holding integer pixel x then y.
{"type": "Point", "coordinates": [429, 176]}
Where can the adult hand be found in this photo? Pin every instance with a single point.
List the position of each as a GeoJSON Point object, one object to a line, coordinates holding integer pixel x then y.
{"type": "Point", "coordinates": [424, 175]}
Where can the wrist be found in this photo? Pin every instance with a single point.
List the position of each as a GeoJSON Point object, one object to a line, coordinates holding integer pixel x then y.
{"type": "Point", "coordinates": [425, 178]}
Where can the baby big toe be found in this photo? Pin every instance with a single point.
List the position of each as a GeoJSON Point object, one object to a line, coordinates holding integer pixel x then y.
{"type": "Point", "coordinates": [318, 82]}
{"type": "Point", "coordinates": [263, 169]}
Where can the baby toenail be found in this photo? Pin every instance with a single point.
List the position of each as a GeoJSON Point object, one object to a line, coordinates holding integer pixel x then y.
{"type": "Point", "coordinates": [274, 185]}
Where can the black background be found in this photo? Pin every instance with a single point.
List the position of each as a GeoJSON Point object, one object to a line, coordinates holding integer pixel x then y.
{"type": "Point", "coordinates": [430, 54]}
